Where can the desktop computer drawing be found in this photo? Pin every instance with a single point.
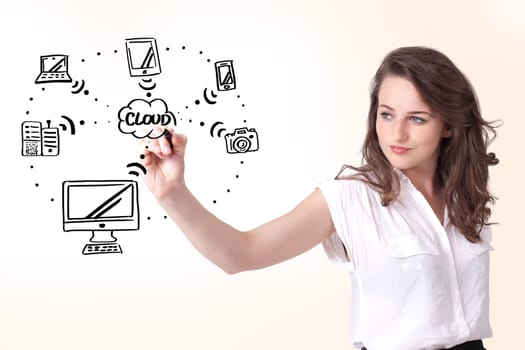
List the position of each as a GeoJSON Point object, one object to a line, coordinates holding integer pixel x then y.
{"type": "Point", "coordinates": [102, 207]}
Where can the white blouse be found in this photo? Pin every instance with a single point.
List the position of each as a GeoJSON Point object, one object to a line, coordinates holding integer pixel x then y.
{"type": "Point", "coordinates": [416, 284]}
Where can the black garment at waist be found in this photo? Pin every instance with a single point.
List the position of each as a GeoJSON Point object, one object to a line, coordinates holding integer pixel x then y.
{"type": "Point", "coordinates": [470, 345]}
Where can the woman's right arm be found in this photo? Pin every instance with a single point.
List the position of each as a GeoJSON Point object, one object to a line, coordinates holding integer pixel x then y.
{"type": "Point", "coordinates": [232, 250]}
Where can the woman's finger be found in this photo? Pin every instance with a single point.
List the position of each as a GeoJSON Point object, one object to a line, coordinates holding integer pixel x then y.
{"type": "Point", "coordinates": [165, 143]}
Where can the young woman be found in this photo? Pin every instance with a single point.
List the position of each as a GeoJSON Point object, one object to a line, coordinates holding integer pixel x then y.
{"type": "Point", "coordinates": [410, 224]}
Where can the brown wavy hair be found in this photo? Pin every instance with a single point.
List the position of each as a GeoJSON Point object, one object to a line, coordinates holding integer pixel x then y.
{"type": "Point", "coordinates": [463, 159]}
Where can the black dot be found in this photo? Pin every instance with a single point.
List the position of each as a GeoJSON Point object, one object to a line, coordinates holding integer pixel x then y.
{"type": "Point", "coordinates": [236, 176]}
{"type": "Point", "coordinates": [228, 190]}
{"type": "Point", "coordinates": [98, 53]}
{"type": "Point", "coordinates": [83, 60]}
{"type": "Point", "coordinates": [143, 156]}
{"type": "Point", "coordinates": [167, 49]}
{"type": "Point", "coordinates": [189, 120]}
{"type": "Point", "coordinates": [27, 112]}
{"type": "Point", "coordinates": [200, 52]}
{"type": "Point", "coordinates": [52, 199]}
{"type": "Point", "coordinates": [107, 106]}
{"type": "Point", "coordinates": [149, 217]}
{"type": "Point", "coordinates": [202, 123]}
{"type": "Point", "coordinates": [197, 102]}
{"type": "Point", "coordinates": [245, 120]}
{"type": "Point", "coordinates": [238, 96]}
{"type": "Point", "coordinates": [242, 161]}
{"type": "Point", "coordinates": [208, 60]}
{"type": "Point", "coordinates": [36, 184]}
{"type": "Point", "coordinates": [186, 107]}
{"type": "Point", "coordinates": [184, 47]}
{"type": "Point", "coordinates": [148, 94]}
{"type": "Point", "coordinates": [96, 99]}
{"type": "Point", "coordinates": [243, 104]}
{"type": "Point", "coordinates": [31, 167]}
{"type": "Point", "coordinates": [82, 122]}
{"type": "Point", "coordinates": [214, 201]}
{"type": "Point", "coordinates": [30, 99]}
{"type": "Point", "coordinates": [165, 217]}
{"type": "Point", "coordinates": [43, 89]}
{"type": "Point", "coordinates": [86, 92]}
{"type": "Point", "coordinates": [95, 122]}
{"type": "Point", "coordinates": [115, 51]}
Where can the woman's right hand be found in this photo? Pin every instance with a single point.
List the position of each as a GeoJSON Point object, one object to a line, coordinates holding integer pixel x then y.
{"type": "Point", "coordinates": [164, 161]}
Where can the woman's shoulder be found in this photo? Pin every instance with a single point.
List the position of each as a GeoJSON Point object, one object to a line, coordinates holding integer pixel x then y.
{"type": "Point", "coordinates": [350, 184]}
{"type": "Point", "coordinates": [352, 176]}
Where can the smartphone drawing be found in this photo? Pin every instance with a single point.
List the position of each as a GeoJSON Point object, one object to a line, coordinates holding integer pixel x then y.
{"type": "Point", "coordinates": [31, 138]}
{"type": "Point", "coordinates": [50, 142]}
{"type": "Point", "coordinates": [143, 57]}
{"type": "Point", "coordinates": [225, 75]}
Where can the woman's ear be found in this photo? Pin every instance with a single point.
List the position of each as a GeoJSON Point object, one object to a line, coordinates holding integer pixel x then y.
{"type": "Point", "coordinates": [447, 131]}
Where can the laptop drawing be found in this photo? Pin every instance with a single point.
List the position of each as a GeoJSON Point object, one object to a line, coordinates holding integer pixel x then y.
{"type": "Point", "coordinates": [53, 69]}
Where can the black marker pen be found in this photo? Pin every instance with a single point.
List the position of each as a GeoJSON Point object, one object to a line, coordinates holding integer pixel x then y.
{"type": "Point", "coordinates": [167, 135]}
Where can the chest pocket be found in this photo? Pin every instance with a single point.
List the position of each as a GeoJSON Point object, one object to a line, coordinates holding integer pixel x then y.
{"type": "Point", "coordinates": [405, 246]}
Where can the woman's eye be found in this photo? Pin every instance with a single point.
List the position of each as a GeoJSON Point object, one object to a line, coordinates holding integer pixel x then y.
{"type": "Point", "coordinates": [418, 120]}
{"type": "Point", "coordinates": [385, 115]}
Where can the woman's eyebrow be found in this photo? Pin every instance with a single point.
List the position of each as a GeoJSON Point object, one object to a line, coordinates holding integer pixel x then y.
{"type": "Point", "coordinates": [411, 112]}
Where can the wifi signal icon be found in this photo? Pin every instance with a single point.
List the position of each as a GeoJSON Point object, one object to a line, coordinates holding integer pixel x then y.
{"type": "Point", "coordinates": [147, 87]}
{"type": "Point", "coordinates": [78, 86]}
{"type": "Point", "coordinates": [219, 132]}
{"type": "Point", "coordinates": [207, 99]}
{"type": "Point", "coordinates": [136, 165]}
{"type": "Point", "coordinates": [71, 125]}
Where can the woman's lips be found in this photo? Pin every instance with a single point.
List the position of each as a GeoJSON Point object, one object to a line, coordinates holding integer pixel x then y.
{"type": "Point", "coordinates": [399, 149]}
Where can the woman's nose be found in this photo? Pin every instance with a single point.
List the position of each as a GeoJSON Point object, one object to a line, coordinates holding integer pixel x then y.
{"type": "Point", "coordinates": [399, 132]}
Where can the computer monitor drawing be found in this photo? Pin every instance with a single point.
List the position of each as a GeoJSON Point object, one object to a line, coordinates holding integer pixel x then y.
{"type": "Point", "coordinates": [102, 207]}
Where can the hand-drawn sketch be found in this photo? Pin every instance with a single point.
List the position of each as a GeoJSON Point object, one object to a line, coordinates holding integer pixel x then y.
{"type": "Point", "coordinates": [147, 87]}
{"type": "Point", "coordinates": [143, 57]}
{"type": "Point", "coordinates": [78, 87]}
{"type": "Point", "coordinates": [143, 118]}
{"type": "Point", "coordinates": [207, 99]}
{"type": "Point", "coordinates": [242, 140]}
{"type": "Point", "coordinates": [214, 126]}
{"type": "Point", "coordinates": [102, 207]}
{"type": "Point", "coordinates": [53, 69]}
{"type": "Point", "coordinates": [31, 138]}
{"type": "Point", "coordinates": [71, 124]}
{"type": "Point", "coordinates": [136, 165]}
{"type": "Point", "coordinates": [105, 206]}
{"type": "Point", "coordinates": [38, 141]}
{"type": "Point", "coordinates": [225, 75]}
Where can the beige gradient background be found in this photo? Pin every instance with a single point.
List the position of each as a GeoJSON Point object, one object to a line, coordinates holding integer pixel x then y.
{"type": "Point", "coordinates": [303, 70]}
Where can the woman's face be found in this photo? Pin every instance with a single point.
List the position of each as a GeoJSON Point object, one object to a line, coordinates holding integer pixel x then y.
{"type": "Point", "coordinates": [409, 133]}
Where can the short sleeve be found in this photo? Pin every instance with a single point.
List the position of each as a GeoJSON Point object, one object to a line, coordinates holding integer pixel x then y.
{"type": "Point", "coordinates": [338, 246]}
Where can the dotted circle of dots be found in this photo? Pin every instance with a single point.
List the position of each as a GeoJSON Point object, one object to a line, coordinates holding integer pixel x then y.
{"type": "Point", "coordinates": [197, 102]}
